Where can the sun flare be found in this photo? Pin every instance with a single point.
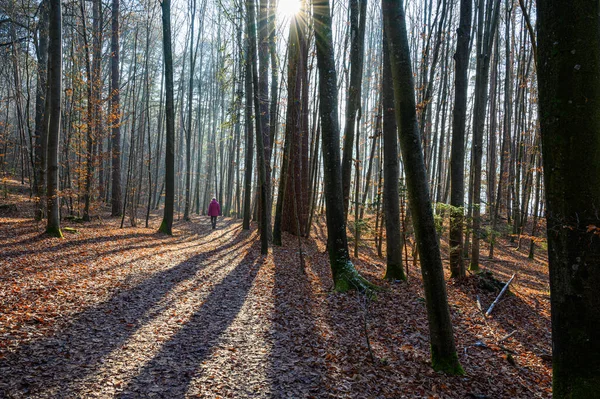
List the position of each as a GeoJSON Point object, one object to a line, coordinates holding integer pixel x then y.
{"type": "Point", "coordinates": [288, 8]}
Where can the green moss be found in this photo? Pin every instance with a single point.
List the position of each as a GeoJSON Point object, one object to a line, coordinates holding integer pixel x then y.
{"type": "Point", "coordinates": [54, 232]}
{"type": "Point", "coordinates": [474, 267]}
{"type": "Point", "coordinates": [395, 272]}
{"type": "Point", "coordinates": [446, 364]}
{"type": "Point", "coordinates": [164, 229]}
{"type": "Point", "coordinates": [348, 279]}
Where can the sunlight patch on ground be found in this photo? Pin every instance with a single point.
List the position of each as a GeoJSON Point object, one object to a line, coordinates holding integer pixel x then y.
{"type": "Point", "coordinates": [160, 326]}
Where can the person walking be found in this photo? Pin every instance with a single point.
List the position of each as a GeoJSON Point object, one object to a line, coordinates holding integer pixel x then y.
{"type": "Point", "coordinates": [214, 210]}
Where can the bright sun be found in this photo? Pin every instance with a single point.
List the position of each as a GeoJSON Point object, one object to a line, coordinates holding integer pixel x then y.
{"type": "Point", "coordinates": [288, 8]}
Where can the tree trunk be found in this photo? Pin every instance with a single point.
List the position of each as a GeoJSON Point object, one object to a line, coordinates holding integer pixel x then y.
{"type": "Point", "coordinates": [41, 117]}
{"type": "Point", "coordinates": [457, 157]}
{"type": "Point", "coordinates": [358, 11]}
{"type": "Point", "coordinates": [443, 350]}
{"type": "Point", "coordinates": [260, 147]}
{"type": "Point", "coordinates": [345, 276]}
{"type": "Point", "coordinates": [115, 113]}
{"type": "Point", "coordinates": [391, 195]}
{"type": "Point", "coordinates": [167, 223]}
{"type": "Point", "coordinates": [485, 39]}
{"type": "Point", "coordinates": [54, 101]}
{"type": "Point", "coordinates": [569, 96]}
{"type": "Point", "coordinates": [188, 135]}
{"type": "Point", "coordinates": [249, 143]}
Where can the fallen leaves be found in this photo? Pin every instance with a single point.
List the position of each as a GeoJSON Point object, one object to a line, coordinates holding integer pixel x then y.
{"type": "Point", "coordinates": [127, 312]}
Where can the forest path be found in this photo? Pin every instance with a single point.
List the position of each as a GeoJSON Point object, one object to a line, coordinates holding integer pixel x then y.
{"type": "Point", "coordinates": [198, 324]}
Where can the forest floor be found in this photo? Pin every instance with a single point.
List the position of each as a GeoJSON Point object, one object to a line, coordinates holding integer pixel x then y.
{"type": "Point", "coordinates": [130, 313]}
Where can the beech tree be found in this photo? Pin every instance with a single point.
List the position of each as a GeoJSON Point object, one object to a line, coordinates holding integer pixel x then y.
{"type": "Point", "coordinates": [54, 101]}
{"type": "Point", "coordinates": [457, 160]}
{"type": "Point", "coordinates": [569, 96]}
{"type": "Point", "coordinates": [167, 223]}
{"type": "Point", "coordinates": [391, 204]}
{"type": "Point", "coordinates": [115, 112]}
{"type": "Point", "coordinates": [345, 276]}
{"type": "Point", "coordinates": [443, 350]}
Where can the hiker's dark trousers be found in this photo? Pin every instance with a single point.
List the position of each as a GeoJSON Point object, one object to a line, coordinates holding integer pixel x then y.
{"type": "Point", "coordinates": [213, 221]}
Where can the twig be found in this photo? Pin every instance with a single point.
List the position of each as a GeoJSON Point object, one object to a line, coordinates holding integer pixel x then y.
{"type": "Point", "coordinates": [479, 304]}
{"type": "Point", "coordinates": [507, 337]}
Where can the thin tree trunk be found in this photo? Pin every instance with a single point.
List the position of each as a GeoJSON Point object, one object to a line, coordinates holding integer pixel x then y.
{"type": "Point", "coordinates": [358, 11]}
{"type": "Point", "coordinates": [54, 101]}
{"type": "Point", "coordinates": [443, 350]}
{"type": "Point", "coordinates": [391, 194]}
{"type": "Point", "coordinates": [115, 113]}
{"type": "Point", "coordinates": [167, 222]}
{"type": "Point", "coordinates": [260, 147]}
{"type": "Point", "coordinates": [457, 157]}
{"type": "Point", "coordinates": [345, 276]}
{"type": "Point", "coordinates": [41, 117]}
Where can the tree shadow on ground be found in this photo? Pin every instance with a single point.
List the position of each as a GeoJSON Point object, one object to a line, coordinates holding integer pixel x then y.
{"type": "Point", "coordinates": [52, 363]}
{"type": "Point", "coordinates": [297, 358]}
{"type": "Point", "coordinates": [397, 326]}
{"type": "Point", "coordinates": [172, 369]}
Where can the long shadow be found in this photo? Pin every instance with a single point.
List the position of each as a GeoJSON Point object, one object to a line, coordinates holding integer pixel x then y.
{"type": "Point", "coordinates": [297, 359]}
{"type": "Point", "coordinates": [399, 336]}
{"type": "Point", "coordinates": [66, 245]}
{"type": "Point", "coordinates": [81, 346]}
{"type": "Point", "coordinates": [172, 369]}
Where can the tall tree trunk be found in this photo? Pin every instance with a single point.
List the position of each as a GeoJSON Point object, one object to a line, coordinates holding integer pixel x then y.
{"type": "Point", "coordinates": [485, 39]}
{"type": "Point", "coordinates": [569, 99]}
{"type": "Point", "coordinates": [41, 117]}
{"type": "Point", "coordinates": [358, 11]}
{"type": "Point", "coordinates": [443, 350]}
{"type": "Point", "coordinates": [167, 223]}
{"type": "Point", "coordinates": [345, 276]}
{"type": "Point", "coordinates": [188, 135]}
{"type": "Point", "coordinates": [260, 147]}
{"type": "Point", "coordinates": [391, 194]}
{"type": "Point", "coordinates": [115, 114]}
{"type": "Point", "coordinates": [249, 142]}
{"type": "Point", "coordinates": [262, 93]}
{"type": "Point", "coordinates": [54, 100]}
{"type": "Point", "coordinates": [457, 157]}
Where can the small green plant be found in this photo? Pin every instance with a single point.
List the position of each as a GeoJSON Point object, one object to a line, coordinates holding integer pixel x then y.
{"type": "Point", "coordinates": [491, 235]}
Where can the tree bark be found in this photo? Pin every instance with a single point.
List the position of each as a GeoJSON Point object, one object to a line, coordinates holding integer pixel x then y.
{"type": "Point", "coordinates": [166, 225]}
{"type": "Point", "coordinates": [115, 117]}
{"type": "Point", "coordinates": [358, 11]}
{"type": "Point", "coordinates": [41, 117]}
{"type": "Point", "coordinates": [249, 143]}
{"type": "Point", "coordinates": [391, 194]}
{"type": "Point", "coordinates": [345, 276]}
{"type": "Point", "coordinates": [569, 99]}
{"type": "Point", "coordinates": [260, 147]}
{"type": "Point", "coordinates": [485, 39]}
{"type": "Point", "coordinates": [54, 100]}
{"type": "Point", "coordinates": [443, 350]}
{"type": "Point", "coordinates": [457, 155]}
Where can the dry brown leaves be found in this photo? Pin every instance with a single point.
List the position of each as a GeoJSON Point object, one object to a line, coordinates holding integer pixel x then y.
{"type": "Point", "coordinates": [130, 313]}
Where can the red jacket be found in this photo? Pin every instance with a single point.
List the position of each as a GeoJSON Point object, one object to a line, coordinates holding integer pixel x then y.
{"type": "Point", "coordinates": [214, 209]}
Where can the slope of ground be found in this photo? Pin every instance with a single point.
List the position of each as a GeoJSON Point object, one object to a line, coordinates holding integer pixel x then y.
{"type": "Point", "coordinates": [129, 313]}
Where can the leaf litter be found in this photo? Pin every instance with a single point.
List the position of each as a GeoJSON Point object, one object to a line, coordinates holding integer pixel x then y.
{"type": "Point", "coordinates": [129, 313]}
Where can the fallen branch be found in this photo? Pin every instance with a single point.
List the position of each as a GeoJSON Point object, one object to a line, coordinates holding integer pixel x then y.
{"type": "Point", "coordinates": [507, 337]}
{"type": "Point", "coordinates": [489, 311]}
